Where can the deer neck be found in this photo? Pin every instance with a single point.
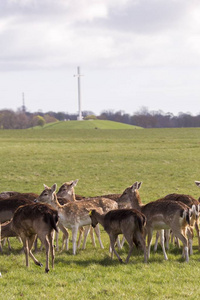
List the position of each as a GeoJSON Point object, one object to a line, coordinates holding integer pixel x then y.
{"type": "Point", "coordinates": [55, 202]}
{"type": "Point", "coordinates": [100, 219]}
{"type": "Point", "coordinates": [136, 200]}
{"type": "Point", "coordinates": [73, 197]}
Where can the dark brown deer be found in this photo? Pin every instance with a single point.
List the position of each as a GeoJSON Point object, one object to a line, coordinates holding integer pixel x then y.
{"type": "Point", "coordinates": [75, 214]}
{"type": "Point", "coordinates": [33, 220]}
{"type": "Point", "coordinates": [129, 222]}
{"type": "Point", "coordinates": [16, 195]}
{"type": "Point", "coordinates": [9, 206]}
{"type": "Point", "coordinates": [161, 215]}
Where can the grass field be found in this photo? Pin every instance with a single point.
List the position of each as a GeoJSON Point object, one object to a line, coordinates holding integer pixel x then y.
{"type": "Point", "coordinates": [89, 124]}
{"type": "Point", "coordinates": [104, 161]}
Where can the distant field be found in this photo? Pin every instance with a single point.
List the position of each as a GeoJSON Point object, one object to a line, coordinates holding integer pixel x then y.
{"type": "Point", "coordinates": [88, 124]}
{"type": "Point", "coordinates": [104, 161]}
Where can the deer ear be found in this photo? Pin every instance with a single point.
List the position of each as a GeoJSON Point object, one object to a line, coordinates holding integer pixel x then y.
{"type": "Point", "coordinates": [134, 186]}
{"type": "Point", "coordinates": [197, 183]}
{"type": "Point", "coordinates": [46, 187]}
{"type": "Point", "coordinates": [74, 183]}
{"type": "Point", "coordinates": [139, 185]}
{"type": "Point", "coordinates": [54, 187]}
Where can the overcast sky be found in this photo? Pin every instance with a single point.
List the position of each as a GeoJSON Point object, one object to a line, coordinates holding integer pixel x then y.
{"type": "Point", "coordinates": [132, 54]}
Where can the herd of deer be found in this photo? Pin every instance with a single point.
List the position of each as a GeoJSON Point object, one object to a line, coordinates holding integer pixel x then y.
{"type": "Point", "coordinates": [30, 216]}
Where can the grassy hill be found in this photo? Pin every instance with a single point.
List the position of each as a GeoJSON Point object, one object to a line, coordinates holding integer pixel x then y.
{"type": "Point", "coordinates": [89, 124]}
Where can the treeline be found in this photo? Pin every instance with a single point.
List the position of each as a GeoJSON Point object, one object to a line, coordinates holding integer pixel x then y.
{"type": "Point", "coordinates": [144, 118]}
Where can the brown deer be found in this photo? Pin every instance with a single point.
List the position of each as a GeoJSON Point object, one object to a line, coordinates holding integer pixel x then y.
{"type": "Point", "coordinates": [161, 215]}
{"type": "Point", "coordinates": [16, 195]}
{"type": "Point", "coordinates": [194, 220]}
{"type": "Point", "coordinates": [9, 206]}
{"type": "Point", "coordinates": [33, 220]}
{"type": "Point", "coordinates": [75, 214]}
{"type": "Point", "coordinates": [129, 222]}
{"type": "Point", "coordinates": [67, 192]}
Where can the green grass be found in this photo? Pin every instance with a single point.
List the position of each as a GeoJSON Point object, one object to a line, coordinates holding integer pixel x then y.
{"type": "Point", "coordinates": [87, 124]}
{"type": "Point", "coordinates": [104, 161]}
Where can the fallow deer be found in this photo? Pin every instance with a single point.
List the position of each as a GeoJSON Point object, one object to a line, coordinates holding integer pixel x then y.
{"type": "Point", "coordinates": [194, 220]}
{"type": "Point", "coordinates": [33, 220]}
{"type": "Point", "coordinates": [129, 222]}
{"type": "Point", "coordinates": [161, 215]}
{"type": "Point", "coordinates": [75, 214]}
{"type": "Point", "coordinates": [9, 206]}
{"type": "Point", "coordinates": [16, 195]}
{"type": "Point", "coordinates": [67, 192]}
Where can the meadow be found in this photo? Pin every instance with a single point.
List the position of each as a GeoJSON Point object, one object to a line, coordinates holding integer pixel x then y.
{"type": "Point", "coordinates": [104, 161]}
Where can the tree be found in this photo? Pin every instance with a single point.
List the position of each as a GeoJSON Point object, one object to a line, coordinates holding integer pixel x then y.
{"type": "Point", "coordinates": [38, 121]}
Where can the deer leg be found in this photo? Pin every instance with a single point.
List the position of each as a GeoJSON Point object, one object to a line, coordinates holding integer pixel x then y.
{"type": "Point", "coordinates": [156, 241]}
{"type": "Point", "coordinates": [183, 239]}
{"type": "Point", "coordinates": [74, 238]}
{"type": "Point", "coordinates": [0, 240]}
{"type": "Point", "coordinates": [51, 240]}
{"type": "Point", "coordinates": [65, 236]}
{"type": "Point", "coordinates": [197, 230]}
{"type": "Point", "coordinates": [47, 246]}
{"type": "Point", "coordinates": [57, 238]}
{"type": "Point", "coordinates": [131, 246]}
{"type": "Point", "coordinates": [92, 235]}
{"type": "Point", "coordinates": [31, 241]}
{"type": "Point", "coordinates": [36, 245]}
{"type": "Point", "coordinates": [97, 231]}
{"type": "Point", "coordinates": [162, 241]}
{"type": "Point", "coordinates": [190, 240]}
{"type": "Point", "coordinates": [86, 232]}
{"type": "Point", "coordinates": [26, 251]}
{"type": "Point", "coordinates": [120, 245]}
{"type": "Point", "coordinates": [81, 231]}
{"type": "Point", "coordinates": [142, 242]}
{"type": "Point", "coordinates": [113, 239]}
{"type": "Point", "coordinates": [149, 240]}
{"type": "Point", "coordinates": [167, 237]}
{"type": "Point", "coordinates": [9, 246]}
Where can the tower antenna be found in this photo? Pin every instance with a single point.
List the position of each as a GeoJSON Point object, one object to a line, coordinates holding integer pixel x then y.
{"type": "Point", "coordinates": [78, 75]}
{"type": "Point", "coordinates": [23, 104]}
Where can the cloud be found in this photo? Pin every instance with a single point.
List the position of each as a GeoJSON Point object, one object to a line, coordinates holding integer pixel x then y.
{"type": "Point", "coordinates": [56, 33]}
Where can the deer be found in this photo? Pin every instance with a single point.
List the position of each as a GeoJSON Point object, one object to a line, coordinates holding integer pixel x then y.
{"type": "Point", "coordinates": [16, 195]}
{"type": "Point", "coordinates": [129, 222]}
{"type": "Point", "coordinates": [8, 194]}
{"type": "Point", "coordinates": [67, 192]}
{"type": "Point", "coordinates": [75, 214]}
{"type": "Point", "coordinates": [8, 207]}
{"type": "Point", "coordinates": [161, 215]}
{"type": "Point", "coordinates": [29, 221]}
{"type": "Point", "coordinates": [194, 220]}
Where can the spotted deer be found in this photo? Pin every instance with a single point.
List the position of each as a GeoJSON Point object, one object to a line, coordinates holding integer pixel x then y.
{"type": "Point", "coordinates": [67, 192]}
{"type": "Point", "coordinates": [75, 214]}
{"type": "Point", "coordinates": [161, 215]}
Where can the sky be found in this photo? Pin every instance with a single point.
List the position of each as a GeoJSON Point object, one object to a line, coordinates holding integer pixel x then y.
{"type": "Point", "coordinates": [132, 54]}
